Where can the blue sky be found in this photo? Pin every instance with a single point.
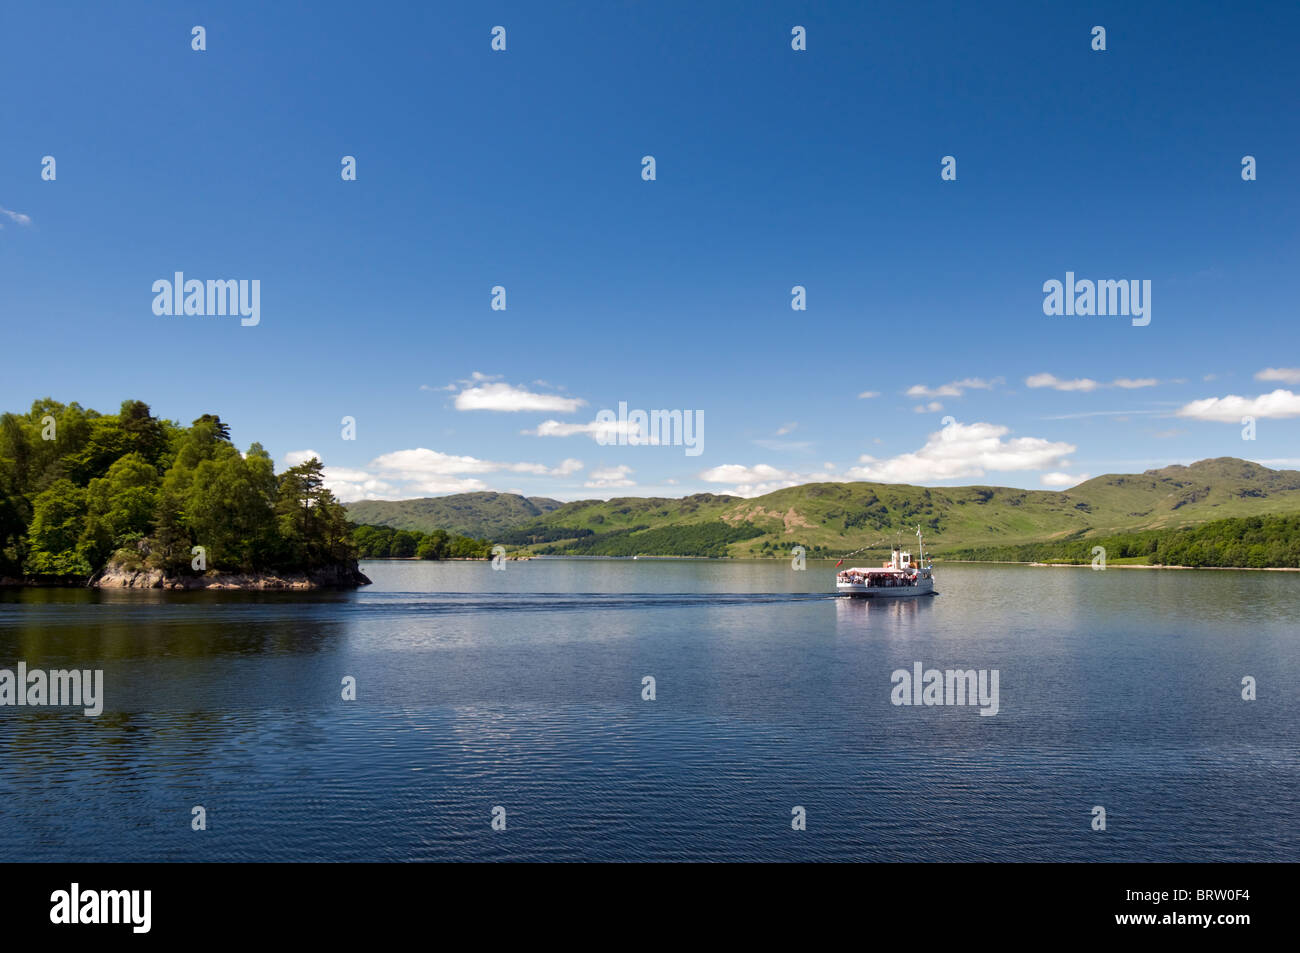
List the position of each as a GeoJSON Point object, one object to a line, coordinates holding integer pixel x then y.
{"type": "Point", "coordinates": [775, 168]}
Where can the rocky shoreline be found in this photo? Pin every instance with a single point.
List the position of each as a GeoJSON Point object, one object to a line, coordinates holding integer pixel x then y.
{"type": "Point", "coordinates": [117, 576]}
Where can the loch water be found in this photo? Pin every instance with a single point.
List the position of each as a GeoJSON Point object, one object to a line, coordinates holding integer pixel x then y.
{"type": "Point", "coordinates": [523, 689]}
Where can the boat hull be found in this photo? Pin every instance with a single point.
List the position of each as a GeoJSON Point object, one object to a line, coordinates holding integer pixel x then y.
{"type": "Point", "coordinates": [923, 588]}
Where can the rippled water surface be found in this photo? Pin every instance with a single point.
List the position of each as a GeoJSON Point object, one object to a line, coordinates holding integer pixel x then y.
{"type": "Point", "coordinates": [523, 688]}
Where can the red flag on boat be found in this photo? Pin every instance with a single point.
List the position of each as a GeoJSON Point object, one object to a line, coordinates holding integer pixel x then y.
{"type": "Point", "coordinates": [839, 564]}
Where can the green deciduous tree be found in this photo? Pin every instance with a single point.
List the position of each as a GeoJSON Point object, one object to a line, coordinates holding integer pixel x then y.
{"type": "Point", "coordinates": [119, 507]}
{"type": "Point", "coordinates": [58, 522]}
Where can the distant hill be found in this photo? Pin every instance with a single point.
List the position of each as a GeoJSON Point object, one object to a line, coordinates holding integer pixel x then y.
{"type": "Point", "coordinates": [839, 517]}
{"type": "Point", "coordinates": [480, 515]}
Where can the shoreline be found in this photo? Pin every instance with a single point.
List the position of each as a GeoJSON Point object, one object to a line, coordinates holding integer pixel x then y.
{"type": "Point", "coordinates": [448, 559]}
{"type": "Point", "coordinates": [120, 577]}
{"type": "Point", "coordinates": [940, 562]}
{"type": "Point", "coordinates": [1005, 562]}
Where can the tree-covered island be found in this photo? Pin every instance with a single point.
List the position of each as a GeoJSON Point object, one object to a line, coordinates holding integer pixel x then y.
{"type": "Point", "coordinates": [133, 500]}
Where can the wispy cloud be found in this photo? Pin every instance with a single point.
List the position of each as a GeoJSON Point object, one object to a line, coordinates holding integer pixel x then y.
{"type": "Point", "coordinates": [1056, 383]}
{"type": "Point", "coordinates": [1086, 384]}
{"type": "Point", "coordinates": [18, 218]}
{"type": "Point", "coordinates": [1100, 413]}
{"type": "Point", "coordinates": [776, 443]}
{"type": "Point", "coordinates": [769, 444]}
{"type": "Point", "coordinates": [953, 388]}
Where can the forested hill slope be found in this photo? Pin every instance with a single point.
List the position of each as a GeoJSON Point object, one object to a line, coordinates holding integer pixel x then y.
{"type": "Point", "coordinates": [472, 514]}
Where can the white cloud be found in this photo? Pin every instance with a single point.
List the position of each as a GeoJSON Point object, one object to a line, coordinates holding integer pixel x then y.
{"type": "Point", "coordinates": [931, 408]}
{"type": "Point", "coordinates": [295, 457]}
{"type": "Point", "coordinates": [344, 482]}
{"type": "Point", "coordinates": [18, 218]}
{"type": "Point", "coordinates": [758, 479]}
{"type": "Point", "coordinates": [954, 388]}
{"type": "Point", "coordinates": [1287, 375]}
{"type": "Point", "coordinates": [507, 398]}
{"type": "Point", "coordinates": [442, 485]}
{"type": "Point", "coordinates": [1054, 382]}
{"type": "Point", "coordinates": [1058, 479]}
{"type": "Point", "coordinates": [609, 430]}
{"type": "Point", "coordinates": [362, 486]}
{"type": "Point", "coordinates": [868, 394]}
{"type": "Point", "coordinates": [964, 450]}
{"type": "Point", "coordinates": [556, 428]}
{"type": "Point", "coordinates": [566, 468]}
{"type": "Point", "coordinates": [607, 477]}
{"type": "Point", "coordinates": [1230, 409]}
{"type": "Point", "coordinates": [1130, 383]}
{"type": "Point", "coordinates": [403, 474]}
{"type": "Point", "coordinates": [920, 390]}
{"type": "Point", "coordinates": [785, 429]}
{"type": "Point", "coordinates": [751, 481]}
{"type": "Point", "coordinates": [424, 464]}
{"type": "Point", "coordinates": [737, 473]}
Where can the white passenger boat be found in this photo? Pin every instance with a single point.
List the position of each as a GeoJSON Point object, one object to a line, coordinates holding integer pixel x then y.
{"type": "Point", "coordinates": [900, 578]}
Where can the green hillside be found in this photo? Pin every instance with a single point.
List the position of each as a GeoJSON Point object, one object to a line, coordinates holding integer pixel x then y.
{"type": "Point", "coordinates": [833, 518]}
{"type": "Point", "coordinates": [1253, 542]}
{"type": "Point", "coordinates": [469, 514]}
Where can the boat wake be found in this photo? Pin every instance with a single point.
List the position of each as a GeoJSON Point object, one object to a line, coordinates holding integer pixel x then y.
{"type": "Point", "coordinates": [439, 603]}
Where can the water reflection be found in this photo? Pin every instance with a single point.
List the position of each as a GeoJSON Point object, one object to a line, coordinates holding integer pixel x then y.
{"type": "Point", "coordinates": [77, 626]}
{"type": "Point", "coordinates": [857, 612]}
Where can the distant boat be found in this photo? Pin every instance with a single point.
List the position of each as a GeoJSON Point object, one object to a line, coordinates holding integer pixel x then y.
{"type": "Point", "coordinates": [900, 578]}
